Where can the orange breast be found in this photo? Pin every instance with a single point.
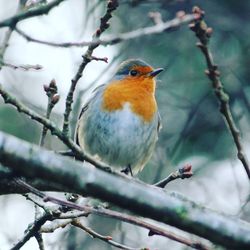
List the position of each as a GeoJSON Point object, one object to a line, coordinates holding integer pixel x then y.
{"type": "Point", "coordinates": [139, 92]}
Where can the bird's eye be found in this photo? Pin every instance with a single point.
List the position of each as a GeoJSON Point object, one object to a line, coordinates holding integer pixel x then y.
{"type": "Point", "coordinates": [133, 72]}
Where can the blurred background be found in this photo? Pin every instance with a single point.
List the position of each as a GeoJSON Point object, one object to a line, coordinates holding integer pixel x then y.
{"type": "Point", "coordinates": [193, 129]}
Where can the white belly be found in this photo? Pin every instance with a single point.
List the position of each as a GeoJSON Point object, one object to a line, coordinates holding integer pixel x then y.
{"type": "Point", "coordinates": [118, 138]}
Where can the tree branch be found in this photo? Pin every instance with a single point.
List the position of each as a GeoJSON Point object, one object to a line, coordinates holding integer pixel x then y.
{"type": "Point", "coordinates": [107, 239]}
{"type": "Point", "coordinates": [183, 173]}
{"type": "Point", "coordinates": [203, 32]}
{"type": "Point", "coordinates": [33, 162]}
{"type": "Point", "coordinates": [41, 10]}
{"type": "Point", "coordinates": [110, 40]}
{"type": "Point", "coordinates": [32, 230]}
{"type": "Point", "coordinates": [53, 98]}
{"type": "Point", "coordinates": [53, 128]}
{"type": "Point", "coordinates": [104, 212]}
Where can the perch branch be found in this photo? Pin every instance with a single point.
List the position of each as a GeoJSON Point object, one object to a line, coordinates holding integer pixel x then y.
{"type": "Point", "coordinates": [31, 161]}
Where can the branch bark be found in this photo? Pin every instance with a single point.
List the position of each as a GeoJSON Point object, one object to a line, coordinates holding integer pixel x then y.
{"type": "Point", "coordinates": [33, 162]}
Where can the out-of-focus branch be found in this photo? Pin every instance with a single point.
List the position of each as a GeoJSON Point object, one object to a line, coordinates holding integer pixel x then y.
{"type": "Point", "coordinates": [87, 57]}
{"type": "Point", "coordinates": [5, 42]}
{"type": "Point", "coordinates": [203, 32]}
{"type": "Point", "coordinates": [25, 67]}
{"type": "Point", "coordinates": [34, 162]}
{"type": "Point", "coordinates": [110, 40]}
{"type": "Point", "coordinates": [37, 11]}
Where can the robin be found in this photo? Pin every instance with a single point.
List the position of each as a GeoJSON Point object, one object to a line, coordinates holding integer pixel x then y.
{"type": "Point", "coordinates": [119, 125]}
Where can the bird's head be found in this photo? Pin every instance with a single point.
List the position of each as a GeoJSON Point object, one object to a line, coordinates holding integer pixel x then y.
{"type": "Point", "coordinates": [136, 69]}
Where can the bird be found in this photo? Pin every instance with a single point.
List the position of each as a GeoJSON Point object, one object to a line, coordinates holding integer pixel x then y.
{"type": "Point", "coordinates": [119, 124]}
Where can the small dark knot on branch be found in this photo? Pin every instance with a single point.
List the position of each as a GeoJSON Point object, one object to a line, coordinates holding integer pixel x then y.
{"type": "Point", "coordinates": [51, 92]}
{"type": "Point", "coordinates": [199, 26]}
{"type": "Point", "coordinates": [186, 171]}
{"type": "Point", "coordinates": [112, 5]}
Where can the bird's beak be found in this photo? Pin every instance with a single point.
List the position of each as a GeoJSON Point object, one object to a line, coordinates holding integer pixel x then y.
{"type": "Point", "coordinates": [155, 72]}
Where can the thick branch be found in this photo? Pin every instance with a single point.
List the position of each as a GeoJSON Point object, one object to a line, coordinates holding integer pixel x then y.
{"type": "Point", "coordinates": [32, 162]}
{"type": "Point", "coordinates": [41, 10]}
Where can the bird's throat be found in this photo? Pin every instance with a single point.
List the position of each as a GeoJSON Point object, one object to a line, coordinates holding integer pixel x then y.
{"type": "Point", "coordinates": [139, 93]}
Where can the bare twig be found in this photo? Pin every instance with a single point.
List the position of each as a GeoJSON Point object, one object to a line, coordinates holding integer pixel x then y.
{"type": "Point", "coordinates": [37, 11]}
{"type": "Point", "coordinates": [185, 172]}
{"type": "Point", "coordinates": [112, 214]}
{"type": "Point", "coordinates": [110, 40]}
{"type": "Point", "coordinates": [53, 98]}
{"type": "Point", "coordinates": [39, 240]}
{"type": "Point", "coordinates": [53, 128]}
{"type": "Point", "coordinates": [32, 230]}
{"type": "Point", "coordinates": [203, 32]}
{"type": "Point", "coordinates": [111, 6]}
{"type": "Point", "coordinates": [5, 43]}
{"type": "Point", "coordinates": [25, 67]}
{"type": "Point", "coordinates": [107, 239]}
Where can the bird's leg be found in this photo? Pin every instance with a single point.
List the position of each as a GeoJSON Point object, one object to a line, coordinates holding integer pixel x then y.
{"type": "Point", "coordinates": [127, 170]}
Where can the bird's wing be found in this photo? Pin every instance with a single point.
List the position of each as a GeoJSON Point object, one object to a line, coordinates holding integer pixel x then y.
{"type": "Point", "coordinates": [85, 107]}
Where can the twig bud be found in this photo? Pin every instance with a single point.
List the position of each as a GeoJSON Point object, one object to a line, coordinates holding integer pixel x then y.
{"type": "Point", "coordinates": [52, 83]}
{"type": "Point", "coordinates": [55, 98]}
{"type": "Point", "coordinates": [180, 14]}
{"type": "Point", "coordinates": [46, 87]}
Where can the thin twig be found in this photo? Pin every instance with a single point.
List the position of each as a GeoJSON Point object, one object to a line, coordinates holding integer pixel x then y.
{"type": "Point", "coordinates": [6, 39]}
{"type": "Point", "coordinates": [25, 67]}
{"type": "Point", "coordinates": [32, 230]}
{"type": "Point", "coordinates": [110, 40]}
{"type": "Point", "coordinates": [53, 128]}
{"type": "Point", "coordinates": [87, 57]}
{"type": "Point", "coordinates": [203, 32]}
{"type": "Point", "coordinates": [53, 98]}
{"type": "Point", "coordinates": [117, 215]}
{"type": "Point", "coordinates": [41, 10]}
{"type": "Point", "coordinates": [107, 239]}
{"type": "Point", "coordinates": [185, 172]}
